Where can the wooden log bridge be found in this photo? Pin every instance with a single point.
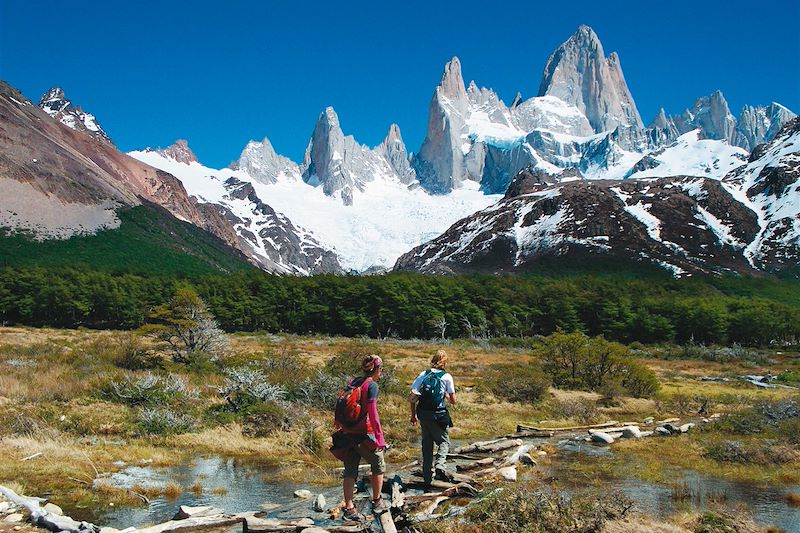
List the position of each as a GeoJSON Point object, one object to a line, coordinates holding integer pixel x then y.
{"type": "Point", "coordinates": [412, 500]}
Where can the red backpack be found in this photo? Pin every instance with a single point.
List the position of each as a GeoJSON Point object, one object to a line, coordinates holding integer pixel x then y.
{"type": "Point", "coordinates": [351, 408]}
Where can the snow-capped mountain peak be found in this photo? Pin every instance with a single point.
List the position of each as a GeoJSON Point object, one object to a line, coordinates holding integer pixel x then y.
{"type": "Point", "coordinates": [579, 73]}
{"type": "Point", "coordinates": [179, 151]}
{"type": "Point", "coordinates": [260, 160]}
{"type": "Point", "coordinates": [55, 104]}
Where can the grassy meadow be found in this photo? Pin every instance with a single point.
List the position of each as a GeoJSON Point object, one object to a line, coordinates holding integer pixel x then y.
{"type": "Point", "coordinates": [90, 402]}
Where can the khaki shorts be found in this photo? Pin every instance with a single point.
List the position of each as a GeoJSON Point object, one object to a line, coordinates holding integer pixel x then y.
{"type": "Point", "coordinates": [373, 458]}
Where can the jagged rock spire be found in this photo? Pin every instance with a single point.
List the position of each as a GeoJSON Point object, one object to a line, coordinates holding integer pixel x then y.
{"type": "Point", "coordinates": [394, 150]}
{"type": "Point", "coordinates": [264, 164]}
{"type": "Point", "coordinates": [179, 151]}
{"type": "Point", "coordinates": [579, 73]}
{"type": "Point", "coordinates": [55, 104]}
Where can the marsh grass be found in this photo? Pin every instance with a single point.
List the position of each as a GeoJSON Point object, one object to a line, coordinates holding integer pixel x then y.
{"type": "Point", "coordinates": [82, 434]}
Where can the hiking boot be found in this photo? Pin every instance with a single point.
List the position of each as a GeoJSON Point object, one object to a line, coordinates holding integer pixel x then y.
{"type": "Point", "coordinates": [441, 475]}
{"type": "Point", "coordinates": [379, 506]}
{"type": "Point", "coordinates": [353, 515]}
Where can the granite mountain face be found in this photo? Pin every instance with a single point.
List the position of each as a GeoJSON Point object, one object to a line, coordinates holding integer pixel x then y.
{"type": "Point", "coordinates": [746, 222]}
{"type": "Point", "coordinates": [577, 150]}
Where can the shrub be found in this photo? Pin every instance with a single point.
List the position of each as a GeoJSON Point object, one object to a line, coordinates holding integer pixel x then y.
{"type": "Point", "coordinates": [163, 421]}
{"type": "Point", "coordinates": [762, 453]}
{"type": "Point", "coordinates": [245, 387]}
{"type": "Point", "coordinates": [148, 389]}
{"type": "Point", "coordinates": [518, 384]}
{"type": "Point", "coordinates": [320, 389]}
{"type": "Point", "coordinates": [264, 419]}
{"type": "Point", "coordinates": [521, 509]}
{"type": "Point", "coordinates": [640, 381]}
{"type": "Point", "coordinates": [575, 361]}
{"type": "Point", "coordinates": [580, 410]}
{"type": "Point", "coordinates": [186, 327]}
{"type": "Point", "coordinates": [132, 354]}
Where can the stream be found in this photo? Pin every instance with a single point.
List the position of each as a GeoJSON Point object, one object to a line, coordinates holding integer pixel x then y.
{"type": "Point", "coordinates": [247, 489]}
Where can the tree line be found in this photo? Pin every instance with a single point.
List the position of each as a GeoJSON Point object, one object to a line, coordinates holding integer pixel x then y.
{"type": "Point", "coordinates": [706, 311]}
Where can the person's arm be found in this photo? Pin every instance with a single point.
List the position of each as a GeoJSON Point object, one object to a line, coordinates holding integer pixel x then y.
{"type": "Point", "coordinates": [413, 398]}
{"type": "Point", "coordinates": [375, 422]}
{"type": "Point", "coordinates": [450, 391]}
{"type": "Point", "coordinates": [412, 402]}
{"type": "Point", "coordinates": [372, 414]}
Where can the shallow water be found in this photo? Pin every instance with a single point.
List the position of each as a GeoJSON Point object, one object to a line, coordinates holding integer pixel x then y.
{"type": "Point", "coordinates": [767, 503]}
{"type": "Point", "coordinates": [244, 482]}
{"type": "Point", "coordinates": [249, 490]}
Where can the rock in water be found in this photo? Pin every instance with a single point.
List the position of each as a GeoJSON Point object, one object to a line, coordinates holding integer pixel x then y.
{"type": "Point", "coordinates": [14, 518]}
{"type": "Point", "coordinates": [320, 503]}
{"type": "Point", "coordinates": [509, 473]}
{"type": "Point", "coordinates": [526, 459]}
{"type": "Point", "coordinates": [53, 508]}
{"type": "Point", "coordinates": [602, 438]}
{"type": "Point", "coordinates": [302, 493]}
{"type": "Point", "coordinates": [631, 432]}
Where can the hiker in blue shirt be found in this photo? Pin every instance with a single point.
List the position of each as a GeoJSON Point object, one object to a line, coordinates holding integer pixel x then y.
{"type": "Point", "coordinates": [430, 393]}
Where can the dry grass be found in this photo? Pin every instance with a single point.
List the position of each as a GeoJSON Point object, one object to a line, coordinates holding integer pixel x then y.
{"type": "Point", "coordinates": [196, 488]}
{"type": "Point", "coordinates": [73, 363]}
{"type": "Point", "coordinates": [793, 499]}
{"type": "Point", "coordinates": [172, 491]}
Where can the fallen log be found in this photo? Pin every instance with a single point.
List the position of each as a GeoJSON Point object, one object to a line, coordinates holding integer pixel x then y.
{"type": "Point", "coordinates": [475, 464]}
{"type": "Point", "coordinates": [270, 525]}
{"type": "Point", "coordinates": [493, 446]}
{"type": "Point", "coordinates": [475, 446]}
{"type": "Point", "coordinates": [523, 427]}
{"type": "Point", "coordinates": [463, 456]}
{"type": "Point", "coordinates": [398, 499]}
{"type": "Point", "coordinates": [515, 457]}
{"type": "Point", "coordinates": [427, 508]}
{"type": "Point", "coordinates": [452, 477]}
{"type": "Point", "coordinates": [387, 522]}
{"type": "Point", "coordinates": [530, 433]}
{"type": "Point", "coordinates": [43, 518]}
{"type": "Point", "coordinates": [199, 522]}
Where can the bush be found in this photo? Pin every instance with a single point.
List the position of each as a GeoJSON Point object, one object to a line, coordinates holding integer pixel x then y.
{"type": "Point", "coordinates": [163, 421]}
{"type": "Point", "coordinates": [264, 419]}
{"type": "Point", "coordinates": [526, 384]}
{"type": "Point", "coordinates": [246, 387]}
{"type": "Point", "coordinates": [762, 453]}
{"type": "Point", "coordinates": [521, 509]}
{"type": "Point", "coordinates": [640, 381]}
{"type": "Point", "coordinates": [581, 410]}
{"type": "Point", "coordinates": [319, 390]}
{"type": "Point", "coordinates": [575, 361]}
{"type": "Point", "coordinates": [132, 354]}
{"type": "Point", "coordinates": [148, 389]}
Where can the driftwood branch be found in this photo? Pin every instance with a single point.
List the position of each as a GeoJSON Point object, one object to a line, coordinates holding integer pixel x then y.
{"type": "Point", "coordinates": [523, 427]}
{"type": "Point", "coordinates": [44, 518]}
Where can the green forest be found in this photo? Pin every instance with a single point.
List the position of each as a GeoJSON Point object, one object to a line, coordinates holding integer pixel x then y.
{"type": "Point", "coordinates": [713, 310]}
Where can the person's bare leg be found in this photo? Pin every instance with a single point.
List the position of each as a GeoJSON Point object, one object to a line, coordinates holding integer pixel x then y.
{"type": "Point", "coordinates": [349, 489]}
{"type": "Point", "coordinates": [377, 485]}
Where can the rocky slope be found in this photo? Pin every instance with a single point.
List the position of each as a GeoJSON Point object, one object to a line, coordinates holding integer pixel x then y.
{"type": "Point", "coordinates": [55, 104]}
{"type": "Point", "coordinates": [584, 117]}
{"type": "Point", "coordinates": [343, 167]}
{"type": "Point", "coordinates": [383, 219]}
{"type": "Point", "coordinates": [579, 73]}
{"type": "Point", "coordinates": [268, 237]}
{"type": "Point", "coordinates": [63, 181]}
{"type": "Point", "coordinates": [747, 222]}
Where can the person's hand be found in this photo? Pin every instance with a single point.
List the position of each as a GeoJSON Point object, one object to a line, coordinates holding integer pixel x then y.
{"type": "Point", "coordinates": [413, 420]}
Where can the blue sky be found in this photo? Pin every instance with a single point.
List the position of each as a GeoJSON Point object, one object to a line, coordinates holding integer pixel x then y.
{"type": "Point", "coordinates": [221, 73]}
